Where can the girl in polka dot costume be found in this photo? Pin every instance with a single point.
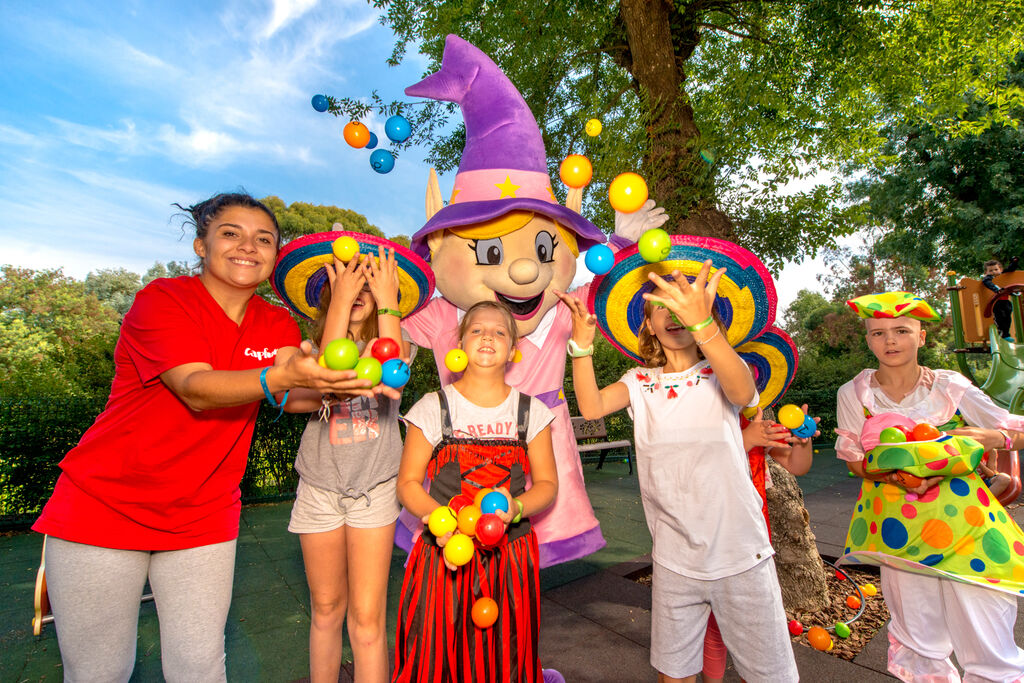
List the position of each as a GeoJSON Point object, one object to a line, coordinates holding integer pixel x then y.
{"type": "Point", "coordinates": [952, 561]}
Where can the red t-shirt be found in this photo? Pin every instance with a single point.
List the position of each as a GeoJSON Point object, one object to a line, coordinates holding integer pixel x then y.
{"type": "Point", "coordinates": [150, 473]}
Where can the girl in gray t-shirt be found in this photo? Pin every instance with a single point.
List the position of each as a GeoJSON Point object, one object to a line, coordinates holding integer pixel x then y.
{"type": "Point", "coordinates": [345, 507]}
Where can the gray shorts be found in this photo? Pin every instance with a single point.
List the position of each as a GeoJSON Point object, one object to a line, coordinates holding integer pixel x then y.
{"type": "Point", "coordinates": [749, 612]}
{"type": "Point", "coordinates": [318, 510]}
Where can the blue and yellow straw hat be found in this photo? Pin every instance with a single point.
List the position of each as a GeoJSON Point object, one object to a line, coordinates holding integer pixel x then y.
{"type": "Point", "coordinates": [299, 275]}
{"type": "Point", "coordinates": [746, 300]}
{"type": "Point", "coordinates": [774, 358]}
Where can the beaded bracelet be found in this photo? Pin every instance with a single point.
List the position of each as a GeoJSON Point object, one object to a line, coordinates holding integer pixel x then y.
{"type": "Point", "coordinates": [718, 331]}
{"type": "Point", "coordinates": [389, 311]}
{"type": "Point", "coordinates": [701, 325]}
{"type": "Point", "coordinates": [270, 396]}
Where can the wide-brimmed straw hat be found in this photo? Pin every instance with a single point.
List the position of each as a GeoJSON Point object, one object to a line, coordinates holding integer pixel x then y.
{"type": "Point", "coordinates": [299, 275]}
{"type": "Point", "coordinates": [774, 358]}
{"type": "Point", "coordinates": [745, 304]}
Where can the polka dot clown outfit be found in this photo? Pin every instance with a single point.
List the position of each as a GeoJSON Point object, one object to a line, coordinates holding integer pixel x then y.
{"type": "Point", "coordinates": [952, 560]}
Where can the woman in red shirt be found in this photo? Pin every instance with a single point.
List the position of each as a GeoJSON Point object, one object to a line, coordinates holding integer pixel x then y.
{"type": "Point", "coordinates": [152, 489]}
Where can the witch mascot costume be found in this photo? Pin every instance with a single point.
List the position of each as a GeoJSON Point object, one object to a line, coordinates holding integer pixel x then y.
{"type": "Point", "coordinates": [503, 236]}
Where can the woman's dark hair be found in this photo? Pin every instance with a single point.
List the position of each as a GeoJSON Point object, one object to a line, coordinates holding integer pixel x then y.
{"type": "Point", "coordinates": [204, 212]}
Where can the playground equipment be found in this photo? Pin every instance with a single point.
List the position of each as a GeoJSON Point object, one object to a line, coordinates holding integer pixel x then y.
{"type": "Point", "coordinates": [975, 332]}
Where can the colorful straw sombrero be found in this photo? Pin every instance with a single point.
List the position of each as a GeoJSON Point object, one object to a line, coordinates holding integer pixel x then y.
{"type": "Point", "coordinates": [299, 275]}
{"type": "Point", "coordinates": [774, 357]}
{"type": "Point", "coordinates": [745, 303]}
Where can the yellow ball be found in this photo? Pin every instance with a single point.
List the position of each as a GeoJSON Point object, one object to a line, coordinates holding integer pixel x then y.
{"type": "Point", "coordinates": [322, 361]}
{"type": "Point", "coordinates": [790, 416]}
{"type": "Point", "coordinates": [442, 520]}
{"type": "Point", "coordinates": [345, 248]}
{"type": "Point", "coordinates": [576, 171]}
{"type": "Point", "coordinates": [593, 127]}
{"type": "Point", "coordinates": [456, 360]}
{"type": "Point", "coordinates": [627, 193]}
{"type": "Point", "coordinates": [869, 589]}
{"type": "Point", "coordinates": [459, 550]}
{"type": "Point", "coordinates": [518, 356]}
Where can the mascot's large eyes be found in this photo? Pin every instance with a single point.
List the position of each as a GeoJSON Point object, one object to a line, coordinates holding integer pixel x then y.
{"type": "Point", "coordinates": [489, 252]}
{"type": "Point", "coordinates": [545, 245]}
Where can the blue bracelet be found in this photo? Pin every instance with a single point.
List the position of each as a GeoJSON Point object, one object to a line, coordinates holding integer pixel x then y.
{"type": "Point", "coordinates": [270, 396]}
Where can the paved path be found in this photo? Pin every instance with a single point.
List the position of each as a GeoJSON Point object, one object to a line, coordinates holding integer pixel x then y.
{"type": "Point", "coordinates": [595, 619]}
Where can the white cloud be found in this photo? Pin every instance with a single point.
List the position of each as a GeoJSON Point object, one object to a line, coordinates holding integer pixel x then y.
{"type": "Point", "coordinates": [284, 12]}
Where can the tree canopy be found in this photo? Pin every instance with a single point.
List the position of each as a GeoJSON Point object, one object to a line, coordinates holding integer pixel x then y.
{"type": "Point", "coordinates": [951, 200]}
{"type": "Point", "coordinates": [722, 103]}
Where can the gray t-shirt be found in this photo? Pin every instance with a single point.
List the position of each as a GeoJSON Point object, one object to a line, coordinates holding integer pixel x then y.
{"type": "Point", "coordinates": [357, 446]}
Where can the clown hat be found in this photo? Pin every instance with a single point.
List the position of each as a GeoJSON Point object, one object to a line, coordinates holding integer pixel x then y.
{"type": "Point", "coordinates": [300, 276]}
{"type": "Point", "coordinates": [774, 358]}
{"type": "Point", "coordinates": [745, 303]}
{"type": "Point", "coordinates": [504, 166]}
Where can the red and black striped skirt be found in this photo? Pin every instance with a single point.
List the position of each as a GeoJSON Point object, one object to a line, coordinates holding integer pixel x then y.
{"type": "Point", "coordinates": [437, 640]}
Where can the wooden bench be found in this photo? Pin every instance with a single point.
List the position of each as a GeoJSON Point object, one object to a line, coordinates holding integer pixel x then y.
{"type": "Point", "coordinates": [592, 435]}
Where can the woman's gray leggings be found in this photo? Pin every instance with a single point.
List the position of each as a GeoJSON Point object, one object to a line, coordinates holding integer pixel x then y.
{"type": "Point", "coordinates": [95, 594]}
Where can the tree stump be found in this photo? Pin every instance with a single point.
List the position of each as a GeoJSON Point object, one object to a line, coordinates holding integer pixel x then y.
{"type": "Point", "coordinates": [801, 573]}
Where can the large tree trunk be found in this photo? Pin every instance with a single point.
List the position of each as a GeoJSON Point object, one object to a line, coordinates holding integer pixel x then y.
{"type": "Point", "coordinates": [661, 39]}
{"type": "Point", "coordinates": [677, 176]}
{"type": "Point", "coordinates": [801, 574]}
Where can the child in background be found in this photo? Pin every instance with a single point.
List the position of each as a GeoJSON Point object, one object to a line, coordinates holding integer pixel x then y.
{"type": "Point", "coordinates": [473, 434]}
{"type": "Point", "coordinates": [1002, 310]}
{"type": "Point", "coordinates": [711, 548]}
{"type": "Point", "coordinates": [996, 481]}
{"type": "Point", "coordinates": [345, 506]}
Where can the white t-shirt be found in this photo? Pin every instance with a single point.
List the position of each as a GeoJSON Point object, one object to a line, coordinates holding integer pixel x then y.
{"type": "Point", "coordinates": [470, 421]}
{"type": "Point", "coordinates": [702, 509]}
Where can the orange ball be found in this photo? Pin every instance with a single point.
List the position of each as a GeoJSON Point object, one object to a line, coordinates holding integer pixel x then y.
{"type": "Point", "coordinates": [908, 480]}
{"type": "Point", "coordinates": [356, 134]}
{"type": "Point", "coordinates": [468, 517]}
{"type": "Point", "coordinates": [853, 602]}
{"type": "Point", "coordinates": [576, 171]}
{"type": "Point", "coordinates": [819, 638]}
{"type": "Point", "coordinates": [925, 432]}
{"type": "Point", "coordinates": [627, 193]}
{"type": "Point", "coordinates": [479, 498]}
{"type": "Point", "coordinates": [485, 612]}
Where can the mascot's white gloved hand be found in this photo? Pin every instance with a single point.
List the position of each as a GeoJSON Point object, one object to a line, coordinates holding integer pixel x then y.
{"type": "Point", "coordinates": [630, 226]}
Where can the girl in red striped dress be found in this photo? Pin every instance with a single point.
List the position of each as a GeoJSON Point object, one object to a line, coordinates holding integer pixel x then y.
{"type": "Point", "coordinates": [477, 433]}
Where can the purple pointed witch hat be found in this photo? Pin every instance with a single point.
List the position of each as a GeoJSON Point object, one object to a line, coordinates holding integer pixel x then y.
{"type": "Point", "coordinates": [503, 167]}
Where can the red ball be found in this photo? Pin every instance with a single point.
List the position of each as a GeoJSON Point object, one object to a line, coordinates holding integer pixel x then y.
{"type": "Point", "coordinates": [384, 349]}
{"type": "Point", "coordinates": [460, 501]}
{"type": "Point", "coordinates": [925, 432]}
{"type": "Point", "coordinates": [840, 576]}
{"type": "Point", "coordinates": [489, 529]}
{"type": "Point", "coordinates": [485, 612]}
{"type": "Point", "coordinates": [795, 627]}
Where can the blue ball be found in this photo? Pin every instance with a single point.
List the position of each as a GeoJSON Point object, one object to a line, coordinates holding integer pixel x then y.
{"type": "Point", "coordinates": [495, 500]}
{"type": "Point", "coordinates": [382, 161]}
{"type": "Point", "coordinates": [599, 259]}
{"type": "Point", "coordinates": [373, 141]}
{"type": "Point", "coordinates": [807, 429]}
{"type": "Point", "coordinates": [395, 373]}
{"type": "Point", "coordinates": [397, 128]}
{"type": "Point", "coordinates": [320, 103]}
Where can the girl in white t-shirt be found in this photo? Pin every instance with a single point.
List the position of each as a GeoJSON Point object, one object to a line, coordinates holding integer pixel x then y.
{"type": "Point", "coordinates": [711, 548]}
{"type": "Point", "coordinates": [477, 433]}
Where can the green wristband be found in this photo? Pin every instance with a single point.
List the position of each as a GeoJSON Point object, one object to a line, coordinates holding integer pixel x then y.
{"type": "Point", "coordinates": [701, 326]}
{"type": "Point", "coordinates": [389, 311]}
{"type": "Point", "coordinates": [519, 515]}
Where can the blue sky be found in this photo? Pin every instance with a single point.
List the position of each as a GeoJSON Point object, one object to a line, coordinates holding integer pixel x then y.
{"type": "Point", "coordinates": [109, 116]}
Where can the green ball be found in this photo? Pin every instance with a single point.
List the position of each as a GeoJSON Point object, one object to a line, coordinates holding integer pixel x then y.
{"type": "Point", "coordinates": [842, 630]}
{"type": "Point", "coordinates": [341, 354]}
{"type": "Point", "coordinates": [654, 245]}
{"type": "Point", "coordinates": [369, 368]}
{"type": "Point", "coordinates": [891, 435]}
